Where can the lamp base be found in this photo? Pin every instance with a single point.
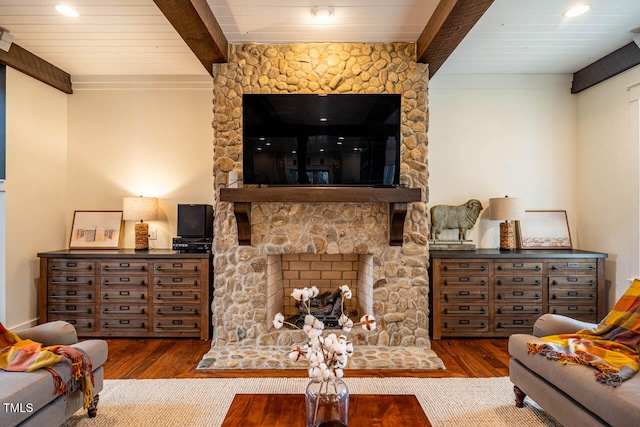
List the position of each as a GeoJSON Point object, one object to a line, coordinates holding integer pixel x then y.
{"type": "Point", "coordinates": [507, 236]}
{"type": "Point", "coordinates": [142, 236]}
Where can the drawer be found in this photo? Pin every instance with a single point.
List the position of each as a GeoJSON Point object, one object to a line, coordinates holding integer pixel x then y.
{"type": "Point", "coordinates": [123, 310]}
{"type": "Point", "coordinates": [515, 325]}
{"type": "Point", "coordinates": [523, 281]}
{"type": "Point", "coordinates": [176, 297]}
{"type": "Point", "coordinates": [175, 281]}
{"type": "Point", "coordinates": [65, 266]}
{"type": "Point", "coordinates": [520, 294]}
{"type": "Point", "coordinates": [513, 267]}
{"type": "Point", "coordinates": [572, 281]}
{"type": "Point", "coordinates": [124, 325]}
{"type": "Point", "coordinates": [74, 280]}
{"type": "Point", "coordinates": [74, 310]}
{"type": "Point", "coordinates": [176, 267]}
{"type": "Point", "coordinates": [586, 313]}
{"type": "Point", "coordinates": [465, 324]}
{"type": "Point", "coordinates": [465, 281]}
{"type": "Point", "coordinates": [461, 267]}
{"type": "Point", "coordinates": [460, 296]}
{"type": "Point", "coordinates": [123, 267]}
{"type": "Point", "coordinates": [518, 310]}
{"type": "Point", "coordinates": [464, 310]}
{"type": "Point", "coordinates": [575, 296]}
{"type": "Point", "coordinates": [123, 280]}
{"type": "Point", "coordinates": [175, 310]}
{"type": "Point", "coordinates": [124, 295]}
{"type": "Point", "coordinates": [572, 267]}
{"type": "Point", "coordinates": [70, 294]}
{"type": "Point", "coordinates": [177, 325]}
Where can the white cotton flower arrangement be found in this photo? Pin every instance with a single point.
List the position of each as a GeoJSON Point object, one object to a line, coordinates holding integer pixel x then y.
{"type": "Point", "coordinates": [327, 355]}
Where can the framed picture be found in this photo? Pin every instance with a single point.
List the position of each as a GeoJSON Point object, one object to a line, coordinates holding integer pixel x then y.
{"type": "Point", "coordinates": [96, 230]}
{"type": "Point", "coordinates": [544, 230]}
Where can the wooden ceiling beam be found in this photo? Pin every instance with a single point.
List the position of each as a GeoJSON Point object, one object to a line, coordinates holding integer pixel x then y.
{"type": "Point", "coordinates": [194, 21]}
{"type": "Point", "coordinates": [449, 24]}
{"type": "Point", "coordinates": [616, 62]}
{"type": "Point", "coordinates": [36, 67]}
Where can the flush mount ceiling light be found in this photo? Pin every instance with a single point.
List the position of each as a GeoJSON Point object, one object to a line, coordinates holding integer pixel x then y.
{"type": "Point", "coordinates": [578, 10]}
{"type": "Point", "coordinates": [65, 10]}
{"type": "Point", "coordinates": [322, 13]}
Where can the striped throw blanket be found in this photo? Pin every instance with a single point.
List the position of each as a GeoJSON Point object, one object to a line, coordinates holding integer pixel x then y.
{"type": "Point", "coordinates": [18, 355]}
{"type": "Point", "coordinates": [611, 348]}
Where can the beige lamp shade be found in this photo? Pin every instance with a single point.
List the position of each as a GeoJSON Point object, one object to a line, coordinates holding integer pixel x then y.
{"type": "Point", "coordinates": [508, 209]}
{"type": "Point", "coordinates": [140, 208]}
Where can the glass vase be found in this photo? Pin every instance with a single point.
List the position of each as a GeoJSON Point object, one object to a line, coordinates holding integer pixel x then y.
{"type": "Point", "coordinates": [327, 403]}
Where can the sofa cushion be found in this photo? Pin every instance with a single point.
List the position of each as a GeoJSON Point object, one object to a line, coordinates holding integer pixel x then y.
{"type": "Point", "coordinates": [616, 405]}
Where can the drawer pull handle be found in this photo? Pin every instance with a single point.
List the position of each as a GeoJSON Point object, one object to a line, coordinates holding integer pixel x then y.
{"type": "Point", "coordinates": [570, 312]}
{"type": "Point", "coordinates": [590, 297]}
{"type": "Point", "coordinates": [71, 266]}
{"type": "Point", "coordinates": [160, 326]}
{"type": "Point", "coordinates": [536, 268]}
{"type": "Point", "coordinates": [194, 311]}
{"type": "Point", "coordinates": [107, 268]}
{"type": "Point", "coordinates": [54, 311]}
{"type": "Point", "coordinates": [164, 269]}
{"type": "Point", "coordinates": [535, 297]}
{"type": "Point", "coordinates": [195, 297]}
{"type": "Point", "coordinates": [480, 283]}
{"type": "Point", "coordinates": [463, 268]}
{"type": "Point", "coordinates": [160, 283]}
{"type": "Point", "coordinates": [107, 311]}
{"type": "Point", "coordinates": [107, 297]}
{"type": "Point", "coordinates": [54, 296]}
{"type": "Point", "coordinates": [467, 311]}
{"type": "Point", "coordinates": [108, 326]}
{"type": "Point", "coordinates": [69, 281]}
{"type": "Point", "coordinates": [572, 267]}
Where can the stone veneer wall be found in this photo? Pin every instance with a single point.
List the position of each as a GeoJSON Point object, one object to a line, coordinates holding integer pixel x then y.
{"type": "Point", "coordinates": [400, 290]}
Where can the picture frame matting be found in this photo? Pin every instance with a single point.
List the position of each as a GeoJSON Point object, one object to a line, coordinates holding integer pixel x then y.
{"type": "Point", "coordinates": [96, 230]}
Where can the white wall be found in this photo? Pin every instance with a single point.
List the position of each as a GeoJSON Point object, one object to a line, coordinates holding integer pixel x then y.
{"type": "Point", "coordinates": [149, 138]}
{"type": "Point", "coordinates": [36, 203]}
{"type": "Point", "coordinates": [608, 177]}
{"type": "Point", "coordinates": [497, 135]}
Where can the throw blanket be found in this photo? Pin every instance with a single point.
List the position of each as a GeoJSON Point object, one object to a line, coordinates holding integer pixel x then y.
{"type": "Point", "coordinates": [611, 348]}
{"type": "Point", "coordinates": [20, 355]}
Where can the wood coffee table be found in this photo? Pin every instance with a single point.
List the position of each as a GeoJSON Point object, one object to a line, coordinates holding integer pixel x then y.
{"type": "Point", "coordinates": [287, 410]}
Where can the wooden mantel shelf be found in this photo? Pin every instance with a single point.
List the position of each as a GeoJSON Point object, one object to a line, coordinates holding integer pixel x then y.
{"type": "Point", "coordinates": [398, 198]}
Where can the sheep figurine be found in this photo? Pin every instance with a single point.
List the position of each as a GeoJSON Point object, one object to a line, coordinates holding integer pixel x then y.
{"type": "Point", "coordinates": [462, 217]}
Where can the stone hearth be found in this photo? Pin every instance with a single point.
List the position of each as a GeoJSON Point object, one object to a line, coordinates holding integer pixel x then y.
{"type": "Point", "coordinates": [398, 292]}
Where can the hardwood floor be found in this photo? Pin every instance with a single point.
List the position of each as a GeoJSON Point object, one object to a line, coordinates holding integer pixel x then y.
{"type": "Point", "coordinates": [178, 358]}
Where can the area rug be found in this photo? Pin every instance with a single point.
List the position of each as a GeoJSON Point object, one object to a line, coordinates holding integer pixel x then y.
{"type": "Point", "coordinates": [452, 402]}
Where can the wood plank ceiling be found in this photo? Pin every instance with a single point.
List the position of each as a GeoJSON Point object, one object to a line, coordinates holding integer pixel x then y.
{"type": "Point", "coordinates": [184, 37]}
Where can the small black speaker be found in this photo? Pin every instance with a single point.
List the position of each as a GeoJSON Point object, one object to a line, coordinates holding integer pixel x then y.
{"type": "Point", "coordinates": [195, 221]}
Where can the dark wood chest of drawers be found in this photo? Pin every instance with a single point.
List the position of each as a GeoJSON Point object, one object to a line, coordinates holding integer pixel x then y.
{"type": "Point", "coordinates": [492, 293]}
{"type": "Point", "coordinates": [124, 293]}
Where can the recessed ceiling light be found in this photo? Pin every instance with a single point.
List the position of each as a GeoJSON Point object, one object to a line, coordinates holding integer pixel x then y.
{"type": "Point", "coordinates": [323, 119]}
{"type": "Point", "coordinates": [65, 10]}
{"type": "Point", "coordinates": [322, 13]}
{"type": "Point", "coordinates": [576, 11]}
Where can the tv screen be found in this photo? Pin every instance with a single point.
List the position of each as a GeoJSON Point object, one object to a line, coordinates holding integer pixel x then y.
{"type": "Point", "coordinates": [334, 139]}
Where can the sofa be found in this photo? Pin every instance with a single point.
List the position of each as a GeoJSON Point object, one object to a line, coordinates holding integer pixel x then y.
{"type": "Point", "coordinates": [569, 393]}
{"type": "Point", "coordinates": [29, 399]}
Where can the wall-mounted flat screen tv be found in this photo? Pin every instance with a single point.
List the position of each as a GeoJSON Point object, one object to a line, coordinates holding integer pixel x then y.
{"type": "Point", "coordinates": [333, 139]}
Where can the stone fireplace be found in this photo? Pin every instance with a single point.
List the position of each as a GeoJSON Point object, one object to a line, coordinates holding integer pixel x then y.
{"type": "Point", "coordinates": [297, 244]}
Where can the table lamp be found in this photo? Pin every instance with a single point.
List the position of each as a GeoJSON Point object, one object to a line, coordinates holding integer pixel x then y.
{"type": "Point", "coordinates": [508, 209]}
{"type": "Point", "coordinates": [140, 208]}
